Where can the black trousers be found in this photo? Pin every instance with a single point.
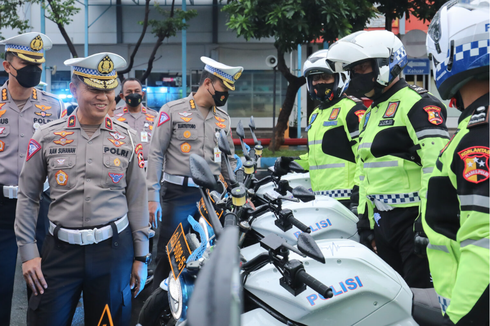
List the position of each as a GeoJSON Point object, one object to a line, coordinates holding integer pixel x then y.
{"type": "Point", "coordinates": [394, 237]}
{"type": "Point", "coordinates": [178, 202]}
{"type": "Point", "coordinates": [8, 248]}
{"type": "Point", "coordinates": [102, 271]}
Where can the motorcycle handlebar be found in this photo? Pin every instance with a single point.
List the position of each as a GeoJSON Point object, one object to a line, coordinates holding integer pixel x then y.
{"type": "Point", "coordinates": [314, 284]}
{"type": "Point", "coordinates": [297, 223]}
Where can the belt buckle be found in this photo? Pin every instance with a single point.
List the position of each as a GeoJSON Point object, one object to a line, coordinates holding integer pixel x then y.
{"type": "Point", "coordinates": [88, 236]}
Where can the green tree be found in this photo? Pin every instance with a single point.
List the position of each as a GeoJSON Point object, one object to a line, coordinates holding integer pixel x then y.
{"type": "Point", "coordinates": [9, 17]}
{"type": "Point", "coordinates": [294, 22]}
{"type": "Point", "coordinates": [422, 9]}
{"type": "Point", "coordinates": [175, 20]}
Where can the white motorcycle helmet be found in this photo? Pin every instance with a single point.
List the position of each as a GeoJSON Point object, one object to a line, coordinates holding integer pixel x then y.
{"type": "Point", "coordinates": [458, 44]}
{"type": "Point", "coordinates": [384, 49]}
{"type": "Point", "coordinates": [318, 63]}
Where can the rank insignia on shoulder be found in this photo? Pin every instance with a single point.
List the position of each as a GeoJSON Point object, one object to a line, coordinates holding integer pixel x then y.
{"type": "Point", "coordinates": [185, 148]}
{"type": "Point", "coordinates": [391, 110]}
{"type": "Point", "coordinates": [186, 119]}
{"type": "Point", "coordinates": [32, 148]}
{"type": "Point", "coordinates": [163, 118]}
{"type": "Point", "coordinates": [480, 116]}
{"type": "Point", "coordinates": [434, 113]}
{"type": "Point", "coordinates": [221, 125]}
{"type": "Point", "coordinates": [61, 178]}
{"type": "Point", "coordinates": [4, 94]}
{"type": "Point", "coordinates": [475, 163]}
{"type": "Point", "coordinates": [334, 114]}
{"type": "Point", "coordinates": [355, 99]}
{"type": "Point", "coordinates": [72, 121]}
{"type": "Point", "coordinates": [418, 89]}
{"type": "Point", "coordinates": [108, 123]}
{"type": "Point", "coordinates": [116, 142]}
{"type": "Point", "coordinates": [384, 123]}
{"type": "Point", "coordinates": [193, 104]}
{"type": "Point", "coordinates": [116, 177]}
{"type": "Point", "coordinates": [219, 119]}
{"type": "Point", "coordinates": [2, 146]}
{"type": "Point", "coordinates": [360, 114]}
{"type": "Point", "coordinates": [34, 93]}
{"type": "Point", "coordinates": [116, 135]}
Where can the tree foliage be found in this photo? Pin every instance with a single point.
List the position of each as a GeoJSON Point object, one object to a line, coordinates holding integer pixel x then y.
{"type": "Point", "coordinates": [291, 23]}
{"type": "Point", "coordinates": [174, 20]}
{"type": "Point", "coordinates": [9, 17]}
{"type": "Point", "coordinates": [422, 9]}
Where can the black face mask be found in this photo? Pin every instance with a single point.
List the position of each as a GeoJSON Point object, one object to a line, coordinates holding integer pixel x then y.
{"type": "Point", "coordinates": [133, 99]}
{"type": "Point", "coordinates": [29, 76]}
{"type": "Point", "coordinates": [219, 98]}
{"type": "Point", "coordinates": [324, 92]}
{"type": "Point", "coordinates": [361, 84]}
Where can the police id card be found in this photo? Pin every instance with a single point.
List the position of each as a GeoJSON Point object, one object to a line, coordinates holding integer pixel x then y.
{"type": "Point", "coordinates": [144, 137]}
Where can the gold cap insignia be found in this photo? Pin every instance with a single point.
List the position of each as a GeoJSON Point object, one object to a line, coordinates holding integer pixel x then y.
{"type": "Point", "coordinates": [37, 43]}
{"type": "Point", "coordinates": [105, 65]}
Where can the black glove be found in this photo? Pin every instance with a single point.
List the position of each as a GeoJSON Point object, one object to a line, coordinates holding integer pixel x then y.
{"type": "Point", "coordinates": [366, 235]}
{"type": "Point", "coordinates": [354, 200]}
{"type": "Point", "coordinates": [420, 241]}
{"type": "Point", "coordinates": [281, 165]}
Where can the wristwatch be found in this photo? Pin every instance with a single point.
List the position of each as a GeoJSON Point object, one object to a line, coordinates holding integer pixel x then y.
{"type": "Point", "coordinates": [144, 259]}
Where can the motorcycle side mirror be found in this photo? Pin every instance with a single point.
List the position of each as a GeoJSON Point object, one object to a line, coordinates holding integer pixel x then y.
{"type": "Point", "coordinates": [251, 124]}
{"type": "Point", "coordinates": [223, 144]}
{"type": "Point", "coordinates": [308, 246]}
{"type": "Point", "coordinates": [239, 130]}
{"type": "Point", "coordinates": [303, 194]}
{"type": "Point", "coordinates": [201, 173]}
{"type": "Point", "coordinates": [295, 167]}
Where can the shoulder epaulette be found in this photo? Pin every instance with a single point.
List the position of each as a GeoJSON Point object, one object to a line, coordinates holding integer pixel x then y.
{"type": "Point", "coordinates": [176, 102]}
{"type": "Point", "coordinates": [418, 89]}
{"type": "Point", "coordinates": [355, 99]}
{"type": "Point", "coordinates": [121, 124]}
{"type": "Point", "coordinates": [479, 117]}
{"type": "Point", "coordinates": [60, 121]}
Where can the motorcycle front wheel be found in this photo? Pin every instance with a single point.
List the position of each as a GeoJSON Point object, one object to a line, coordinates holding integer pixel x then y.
{"type": "Point", "coordinates": [156, 311]}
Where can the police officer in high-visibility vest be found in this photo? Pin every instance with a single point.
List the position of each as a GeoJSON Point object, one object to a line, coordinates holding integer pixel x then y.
{"type": "Point", "coordinates": [98, 219]}
{"type": "Point", "coordinates": [333, 130]}
{"type": "Point", "coordinates": [400, 137]}
{"type": "Point", "coordinates": [190, 125]}
{"type": "Point", "coordinates": [23, 109]}
{"type": "Point", "coordinates": [456, 211]}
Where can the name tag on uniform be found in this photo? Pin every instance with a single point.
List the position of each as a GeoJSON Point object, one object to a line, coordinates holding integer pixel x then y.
{"type": "Point", "coordinates": [217, 155]}
{"type": "Point", "coordinates": [144, 137]}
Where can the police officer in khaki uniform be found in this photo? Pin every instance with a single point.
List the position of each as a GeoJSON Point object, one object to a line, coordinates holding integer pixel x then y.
{"type": "Point", "coordinates": [135, 114]}
{"type": "Point", "coordinates": [23, 109]}
{"type": "Point", "coordinates": [98, 241]}
{"type": "Point", "coordinates": [187, 126]}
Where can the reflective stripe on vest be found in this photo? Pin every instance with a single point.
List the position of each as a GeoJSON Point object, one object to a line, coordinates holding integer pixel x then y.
{"type": "Point", "coordinates": [365, 145]}
{"type": "Point", "coordinates": [474, 200]}
{"type": "Point", "coordinates": [354, 134]}
{"type": "Point", "coordinates": [335, 193]}
{"type": "Point", "coordinates": [483, 243]}
{"type": "Point", "coordinates": [361, 177]}
{"type": "Point", "coordinates": [315, 142]}
{"type": "Point", "coordinates": [432, 133]}
{"type": "Point", "coordinates": [380, 164]}
{"type": "Point", "coordinates": [427, 170]}
{"type": "Point", "coordinates": [327, 166]}
{"type": "Point", "coordinates": [437, 247]}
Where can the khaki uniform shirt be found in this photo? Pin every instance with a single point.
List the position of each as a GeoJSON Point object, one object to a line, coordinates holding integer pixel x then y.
{"type": "Point", "coordinates": [93, 181]}
{"type": "Point", "coordinates": [17, 127]}
{"type": "Point", "coordinates": [142, 122]}
{"type": "Point", "coordinates": [179, 131]}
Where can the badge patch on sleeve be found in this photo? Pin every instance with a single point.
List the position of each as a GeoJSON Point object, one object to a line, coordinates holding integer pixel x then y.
{"type": "Point", "coordinates": [116, 177]}
{"type": "Point", "coordinates": [360, 114]}
{"type": "Point", "coordinates": [391, 110]}
{"type": "Point", "coordinates": [61, 178]}
{"type": "Point", "coordinates": [163, 118]}
{"type": "Point", "coordinates": [32, 148]}
{"type": "Point", "coordinates": [475, 163]}
{"type": "Point", "coordinates": [434, 113]}
{"type": "Point", "coordinates": [334, 114]}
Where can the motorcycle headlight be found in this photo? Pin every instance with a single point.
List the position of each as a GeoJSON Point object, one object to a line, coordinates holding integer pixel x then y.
{"type": "Point", "coordinates": [175, 299]}
{"type": "Point", "coordinates": [179, 293]}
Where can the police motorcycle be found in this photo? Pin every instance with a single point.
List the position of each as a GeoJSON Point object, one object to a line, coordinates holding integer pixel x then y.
{"type": "Point", "coordinates": [324, 216]}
